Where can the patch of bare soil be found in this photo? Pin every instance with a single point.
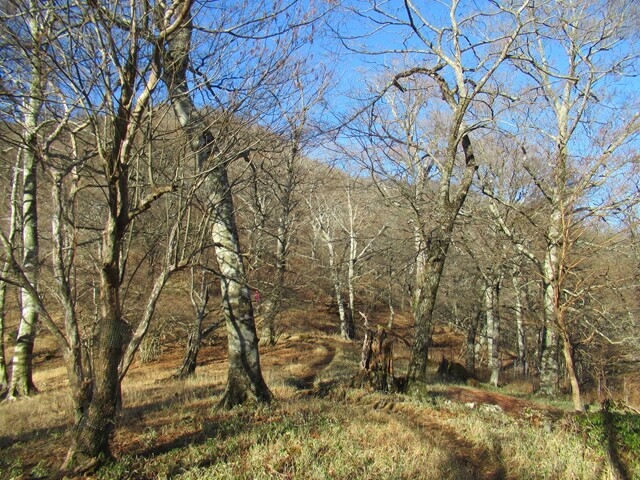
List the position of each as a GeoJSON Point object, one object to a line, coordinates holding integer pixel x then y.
{"type": "Point", "coordinates": [513, 406]}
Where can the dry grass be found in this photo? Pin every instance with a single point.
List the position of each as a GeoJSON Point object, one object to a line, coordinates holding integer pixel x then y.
{"type": "Point", "coordinates": [316, 429]}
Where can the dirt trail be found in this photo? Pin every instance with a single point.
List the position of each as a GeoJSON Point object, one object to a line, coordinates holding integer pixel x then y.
{"type": "Point", "coordinates": [298, 361]}
{"type": "Point", "coordinates": [479, 462]}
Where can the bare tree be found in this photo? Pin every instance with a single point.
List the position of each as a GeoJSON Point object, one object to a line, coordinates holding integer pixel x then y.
{"type": "Point", "coordinates": [572, 58]}
{"type": "Point", "coordinates": [27, 35]}
{"type": "Point", "coordinates": [458, 61]}
{"type": "Point", "coordinates": [13, 226]}
{"type": "Point", "coordinates": [244, 379]}
{"type": "Point", "coordinates": [276, 179]}
{"type": "Point", "coordinates": [100, 80]}
{"type": "Point", "coordinates": [323, 213]}
{"type": "Point", "coordinates": [200, 293]}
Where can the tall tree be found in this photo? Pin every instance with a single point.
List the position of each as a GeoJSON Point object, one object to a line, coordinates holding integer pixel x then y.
{"type": "Point", "coordinates": [13, 227]}
{"type": "Point", "coordinates": [244, 380]}
{"type": "Point", "coordinates": [452, 53]}
{"type": "Point", "coordinates": [575, 57]}
{"type": "Point", "coordinates": [30, 34]}
{"type": "Point", "coordinates": [100, 80]}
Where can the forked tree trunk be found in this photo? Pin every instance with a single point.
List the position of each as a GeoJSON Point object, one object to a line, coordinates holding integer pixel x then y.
{"type": "Point", "coordinates": [244, 380]}
{"type": "Point", "coordinates": [432, 248]}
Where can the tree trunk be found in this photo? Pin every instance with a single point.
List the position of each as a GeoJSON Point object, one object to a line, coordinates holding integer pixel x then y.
{"type": "Point", "coordinates": [432, 248]}
{"type": "Point", "coordinates": [490, 299]}
{"type": "Point", "coordinates": [77, 366]}
{"type": "Point", "coordinates": [4, 378]}
{"type": "Point", "coordinates": [92, 434]}
{"type": "Point", "coordinates": [275, 303]}
{"type": "Point", "coordinates": [549, 368]}
{"type": "Point", "coordinates": [141, 331]}
{"type": "Point", "coordinates": [347, 327]}
{"type": "Point", "coordinates": [567, 351]}
{"type": "Point", "coordinates": [549, 362]}
{"type": "Point", "coordinates": [190, 360]}
{"type": "Point", "coordinates": [424, 304]}
{"type": "Point", "coordinates": [21, 373]}
{"type": "Point", "coordinates": [13, 223]}
{"type": "Point", "coordinates": [470, 350]}
{"type": "Point", "coordinates": [521, 338]}
{"type": "Point", "coordinates": [376, 364]}
{"type": "Point", "coordinates": [244, 380]}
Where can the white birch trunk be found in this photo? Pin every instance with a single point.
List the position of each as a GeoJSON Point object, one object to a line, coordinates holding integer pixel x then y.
{"type": "Point", "coordinates": [13, 225]}
{"type": "Point", "coordinates": [521, 339]}
{"type": "Point", "coordinates": [493, 336]}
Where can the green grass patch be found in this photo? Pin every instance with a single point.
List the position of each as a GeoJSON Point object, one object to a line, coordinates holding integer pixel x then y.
{"type": "Point", "coordinates": [615, 432]}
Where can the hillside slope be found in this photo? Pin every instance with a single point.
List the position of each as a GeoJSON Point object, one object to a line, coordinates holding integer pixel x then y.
{"type": "Point", "coordinates": [318, 428]}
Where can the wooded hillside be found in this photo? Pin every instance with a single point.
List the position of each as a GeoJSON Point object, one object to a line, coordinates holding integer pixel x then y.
{"type": "Point", "coordinates": [453, 185]}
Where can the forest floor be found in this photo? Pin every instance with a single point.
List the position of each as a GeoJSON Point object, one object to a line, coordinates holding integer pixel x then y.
{"type": "Point", "coordinates": [318, 427]}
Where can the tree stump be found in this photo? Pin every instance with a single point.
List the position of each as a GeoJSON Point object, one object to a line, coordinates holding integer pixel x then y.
{"type": "Point", "coordinates": [453, 371]}
{"type": "Point", "coordinates": [376, 362]}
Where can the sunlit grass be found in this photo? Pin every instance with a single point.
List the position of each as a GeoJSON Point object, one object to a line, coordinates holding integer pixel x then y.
{"type": "Point", "coordinates": [316, 429]}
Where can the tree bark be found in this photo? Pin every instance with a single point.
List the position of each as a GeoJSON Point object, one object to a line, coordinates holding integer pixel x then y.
{"type": "Point", "coordinates": [141, 331]}
{"type": "Point", "coordinates": [424, 304]}
{"type": "Point", "coordinates": [521, 338]}
{"type": "Point", "coordinates": [470, 350]}
{"type": "Point", "coordinates": [275, 302]}
{"type": "Point", "coordinates": [549, 368]}
{"type": "Point", "coordinates": [244, 380]}
{"type": "Point", "coordinates": [13, 222]}
{"type": "Point", "coordinates": [22, 373]}
{"type": "Point", "coordinates": [4, 378]}
{"type": "Point", "coordinates": [77, 366]}
{"type": "Point", "coordinates": [432, 248]}
{"type": "Point", "coordinates": [549, 362]}
{"type": "Point", "coordinates": [493, 336]}
{"type": "Point", "coordinates": [567, 351]}
{"type": "Point", "coordinates": [347, 327]}
{"type": "Point", "coordinates": [194, 341]}
{"type": "Point", "coordinates": [376, 364]}
{"type": "Point", "coordinates": [92, 434]}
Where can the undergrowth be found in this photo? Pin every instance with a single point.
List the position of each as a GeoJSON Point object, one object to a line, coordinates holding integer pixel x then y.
{"type": "Point", "coordinates": [614, 432]}
{"type": "Point", "coordinates": [321, 430]}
